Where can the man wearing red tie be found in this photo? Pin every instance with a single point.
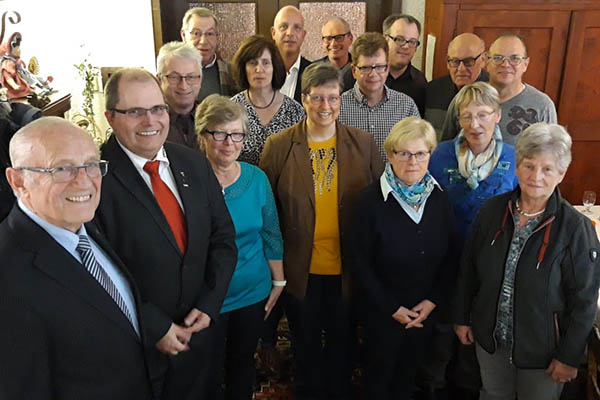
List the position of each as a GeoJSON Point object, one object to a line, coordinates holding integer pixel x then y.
{"type": "Point", "coordinates": [163, 211]}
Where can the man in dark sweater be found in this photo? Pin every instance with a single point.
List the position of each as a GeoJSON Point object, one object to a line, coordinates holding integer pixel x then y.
{"type": "Point", "coordinates": [402, 32]}
{"type": "Point", "coordinates": [466, 58]}
{"type": "Point", "coordinates": [180, 72]}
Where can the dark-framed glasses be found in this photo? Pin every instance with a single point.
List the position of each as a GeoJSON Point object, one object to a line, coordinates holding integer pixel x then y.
{"type": "Point", "coordinates": [406, 155]}
{"type": "Point", "coordinates": [366, 69]}
{"type": "Point", "coordinates": [221, 136]}
{"type": "Point", "coordinates": [482, 116]}
{"type": "Point", "coordinates": [140, 112]}
{"type": "Point", "coordinates": [468, 62]}
{"type": "Point", "coordinates": [174, 78]}
{"type": "Point", "coordinates": [197, 34]}
{"type": "Point", "coordinates": [513, 60]}
{"type": "Point", "coordinates": [67, 173]}
{"type": "Point", "coordinates": [336, 38]}
{"type": "Point", "coordinates": [318, 99]}
{"type": "Point", "coordinates": [401, 41]}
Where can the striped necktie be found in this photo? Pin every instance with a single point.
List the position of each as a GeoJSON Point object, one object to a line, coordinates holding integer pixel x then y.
{"type": "Point", "coordinates": [95, 269]}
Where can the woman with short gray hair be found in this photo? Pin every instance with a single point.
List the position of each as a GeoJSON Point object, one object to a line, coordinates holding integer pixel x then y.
{"type": "Point", "coordinates": [529, 277]}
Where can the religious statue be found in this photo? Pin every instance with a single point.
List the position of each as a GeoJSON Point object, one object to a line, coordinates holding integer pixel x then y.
{"type": "Point", "coordinates": [14, 74]}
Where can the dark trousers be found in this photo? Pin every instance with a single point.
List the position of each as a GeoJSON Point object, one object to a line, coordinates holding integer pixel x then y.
{"type": "Point", "coordinates": [268, 335]}
{"type": "Point", "coordinates": [238, 332]}
{"type": "Point", "coordinates": [394, 355]}
{"type": "Point", "coordinates": [322, 370]}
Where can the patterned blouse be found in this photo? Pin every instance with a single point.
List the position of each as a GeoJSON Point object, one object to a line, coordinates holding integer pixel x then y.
{"type": "Point", "coordinates": [289, 114]}
{"type": "Point", "coordinates": [504, 324]}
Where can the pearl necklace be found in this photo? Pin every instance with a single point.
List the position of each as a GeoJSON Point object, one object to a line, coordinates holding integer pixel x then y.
{"type": "Point", "coordinates": [528, 215]}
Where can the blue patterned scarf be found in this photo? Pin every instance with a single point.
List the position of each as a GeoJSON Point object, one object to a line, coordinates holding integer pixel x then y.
{"type": "Point", "coordinates": [412, 195]}
{"type": "Point", "coordinates": [475, 168]}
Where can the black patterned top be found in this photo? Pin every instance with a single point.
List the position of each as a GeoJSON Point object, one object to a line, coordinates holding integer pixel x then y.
{"type": "Point", "coordinates": [289, 114]}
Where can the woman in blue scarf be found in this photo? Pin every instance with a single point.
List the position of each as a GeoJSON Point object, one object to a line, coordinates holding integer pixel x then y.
{"type": "Point", "coordinates": [405, 258]}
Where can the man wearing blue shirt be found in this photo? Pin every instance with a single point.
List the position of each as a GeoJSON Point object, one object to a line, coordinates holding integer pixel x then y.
{"type": "Point", "coordinates": [68, 308]}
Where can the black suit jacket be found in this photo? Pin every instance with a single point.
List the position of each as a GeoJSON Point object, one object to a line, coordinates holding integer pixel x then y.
{"type": "Point", "coordinates": [62, 335]}
{"type": "Point", "coordinates": [298, 93]}
{"type": "Point", "coordinates": [171, 283]}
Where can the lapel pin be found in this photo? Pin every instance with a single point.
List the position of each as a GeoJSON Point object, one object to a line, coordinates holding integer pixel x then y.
{"type": "Point", "coordinates": [183, 181]}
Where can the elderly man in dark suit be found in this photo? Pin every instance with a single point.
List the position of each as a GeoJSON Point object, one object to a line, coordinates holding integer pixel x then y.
{"type": "Point", "coordinates": [69, 325]}
{"type": "Point", "coordinates": [163, 211]}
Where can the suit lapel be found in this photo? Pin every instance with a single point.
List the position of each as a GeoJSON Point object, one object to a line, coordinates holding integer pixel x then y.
{"type": "Point", "coordinates": [182, 181]}
{"type": "Point", "coordinates": [344, 160]}
{"type": "Point", "coordinates": [53, 260]}
{"type": "Point", "coordinates": [300, 154]}
{"type": "Point", "coordinates": [124, 171]}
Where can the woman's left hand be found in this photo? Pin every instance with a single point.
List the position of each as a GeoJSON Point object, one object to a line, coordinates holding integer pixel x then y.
{"type": "Point", "coordinates": [560, 372]}
{"type": "Point", "coordinates": [275, 293]}
{"type": "Point", "coordinates": [424, 308]}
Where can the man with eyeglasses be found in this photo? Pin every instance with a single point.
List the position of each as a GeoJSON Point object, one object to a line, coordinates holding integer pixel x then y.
{"type": "Point", "coordinates": [402, 32]}
{"type": "Point", "coordinates": [370, 105]}
{"type": "Point", "coordinates": [521, 104]}
{"type": "Point", "coordinates": [179, 68]}
{"type": "Point", "coordinates": [336, 40]}
{"type": "Point", "coordinates": [69, 310]}
{"type": "Point", "coordinates": [288, 33]}
{"type": "Point", "coordinates": [163, 211]}
{"type": "Point", "coordinates": [200, 28]}
{"type": "Point", "coordinates": [466, 58]}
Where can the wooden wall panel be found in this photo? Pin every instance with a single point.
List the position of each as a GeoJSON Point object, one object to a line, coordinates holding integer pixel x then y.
{"type": "Point", "coordinates": [579, 108]}
{"type": "Point", "coordinates": [545, 35]}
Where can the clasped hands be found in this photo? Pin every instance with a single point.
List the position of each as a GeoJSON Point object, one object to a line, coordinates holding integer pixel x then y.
{"type": "Point", "coordinates": [177, 337]}
{"type": "Point", "coordinates": [414, 317]}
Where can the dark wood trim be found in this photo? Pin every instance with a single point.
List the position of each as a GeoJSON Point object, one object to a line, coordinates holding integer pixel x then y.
{"type": "Point", "coordinates": [58, 107]}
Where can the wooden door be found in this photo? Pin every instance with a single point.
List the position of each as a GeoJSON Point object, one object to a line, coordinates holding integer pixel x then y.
{"type": "Point", "coordinates": [545, 33]}
{"type": "Point", "coordinates": [579, 108]}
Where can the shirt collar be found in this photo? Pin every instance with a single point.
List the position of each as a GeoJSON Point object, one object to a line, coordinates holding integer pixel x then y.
{"type": "Point", "coordinates": [210, 64]}
{"type": "Point", "coordinates": [386, 188]}
{"type": "Point", "coordinates": [140, 161]}
{"type": "Point", "coordinates": [296, 65]}
{"type": "Point", "coordinates": [64, 237]}
{"type": "Point", "coordinates": [362, 99]}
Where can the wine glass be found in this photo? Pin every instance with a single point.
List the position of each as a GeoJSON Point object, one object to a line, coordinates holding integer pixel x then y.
{"type": "Point", "coordinates": [589, 199]}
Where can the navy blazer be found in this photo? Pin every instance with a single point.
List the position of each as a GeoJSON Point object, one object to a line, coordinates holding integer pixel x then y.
{"type": "Point", "coordinates": [63, 335]}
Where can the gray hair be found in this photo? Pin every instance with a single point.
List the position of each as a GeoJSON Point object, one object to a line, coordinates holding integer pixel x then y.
{"type": "Point", "coordinates": [200, 12]}
{"type": "Point", "coordinates": [389, 21]}
{"type": "Point", "coordinates": [545, 138]}
{"type": "Point", "coordinates": [180, 50]}
{"type": "Point", "coordinates": [408, 129]}
{"type": "Point", "coordinates": [320, 73]}
{"type": "Point", "coordinates": [478, 93]}
{"type": "Point", "coordinates": [341, 20]}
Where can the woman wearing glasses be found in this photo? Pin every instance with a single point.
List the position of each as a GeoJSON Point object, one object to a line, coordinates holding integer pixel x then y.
{"type": "Point", "coordinates": [316, 169]}
{"type": "Point", "coordinates": [477, 164]}
{"type": "Point", "coordinates": [260, 73]}
{"type": "Point", "coordinates": [404, 259]}
{"type": "Point", "coordinates": [258, 279]}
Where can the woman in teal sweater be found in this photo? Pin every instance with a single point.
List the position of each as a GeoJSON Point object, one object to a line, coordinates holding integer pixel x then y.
{"type": "Point", "coordinates": [258, 279]}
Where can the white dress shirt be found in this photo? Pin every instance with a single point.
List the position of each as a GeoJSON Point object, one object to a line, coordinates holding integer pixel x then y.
{"type": "Point", "coordinates": [163, 170]}
{"type": "Point", "coordinates": [291, 80]}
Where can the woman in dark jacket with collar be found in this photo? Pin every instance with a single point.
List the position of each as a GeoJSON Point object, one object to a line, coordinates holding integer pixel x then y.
{"type": "Point", "coordinates": [529, 277]}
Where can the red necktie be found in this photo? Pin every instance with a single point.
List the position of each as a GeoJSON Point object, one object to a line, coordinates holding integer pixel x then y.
{"type": "Point", "coordinates": [168, 204]}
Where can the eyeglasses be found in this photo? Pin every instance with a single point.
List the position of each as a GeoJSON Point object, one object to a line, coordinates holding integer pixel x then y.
{"type": "Point", "coordinates": [401, 41]}
{"type": "Point", "coordinates": [174, 78]}
{"type": "Point", "coordinates": [336, 38]}
{"type": "Point", "coordinates": [406, 155]}
{"type": "Point", "coordinates": [140, 112]}
{"type": "Point", "coordinates": [221, 136]}
{"type": "Point", "coordinates": [513, 60]}
{"type": "Point", "coordinates": [468, 62]}
{"type": "Point", "coordinates": [366, 69]}
{"type": "Point", "coordinates": [196, 34]}
{"type": "Point", "coordinates": [68, 172]}
{"type": "Point", "coordinates": [318, 99]}
{"type": "Point", "coordinates": [482, 116]}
